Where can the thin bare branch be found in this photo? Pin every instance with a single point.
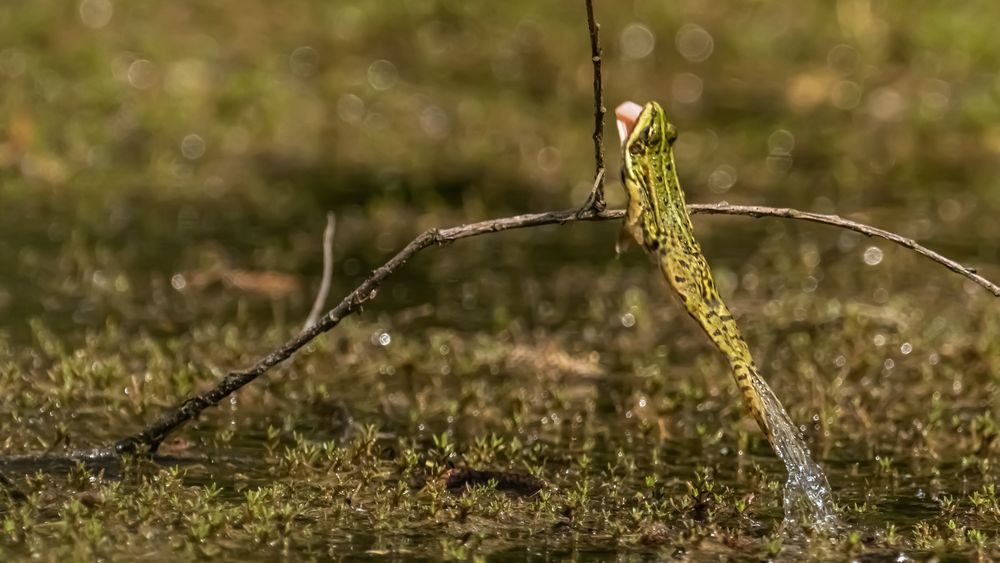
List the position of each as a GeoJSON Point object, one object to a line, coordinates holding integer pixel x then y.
{"type": "Point", "coordinates": [324, 284]}
{"type": "Point", "coordinates": [837, 221]}
{"type": "Point", "coordinates": [595, 202]}
{"type": "Point", "coordinates": [150, 438]}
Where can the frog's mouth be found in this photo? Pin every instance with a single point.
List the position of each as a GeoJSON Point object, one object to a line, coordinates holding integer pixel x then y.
{"type": "Point", "coordinates": [626, 114]}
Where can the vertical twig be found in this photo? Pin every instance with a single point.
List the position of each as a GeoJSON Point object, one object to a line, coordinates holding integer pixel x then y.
{"type": "Point", "coordinates": [324, 286]}
{"type": "Point", "coordinates": [595, 202]}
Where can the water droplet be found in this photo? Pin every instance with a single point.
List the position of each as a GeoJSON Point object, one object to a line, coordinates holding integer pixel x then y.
{"type": "Point", "coordinates": [906, 348]}
{"type": "Point", "coordinates": [178, 282]}
{"type": "Point", "coordinates": [384, 339]}
{"type": "Point", "coordinates": [628, 320]}
{"type": "Point", "coordinates": [873, 255]}
{"type": "Point", "coordinates": [637, 41]}
{"type": "Point", "coordinates": [879, 340]}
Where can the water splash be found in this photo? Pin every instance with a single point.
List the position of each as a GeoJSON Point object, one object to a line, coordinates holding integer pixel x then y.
{"type": "Point", "coordinates": [807, 498]}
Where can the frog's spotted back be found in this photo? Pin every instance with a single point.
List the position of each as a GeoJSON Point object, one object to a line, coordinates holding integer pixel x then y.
{"type": "Point", "coordinates": [658, 220]}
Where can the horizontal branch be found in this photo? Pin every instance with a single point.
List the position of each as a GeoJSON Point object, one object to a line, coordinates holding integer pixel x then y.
{"type": "Point", "coordinates": [837, 221]}
{"type": "Point", "coordinates": [150, 438]}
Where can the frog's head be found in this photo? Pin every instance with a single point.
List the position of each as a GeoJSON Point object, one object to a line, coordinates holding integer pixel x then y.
{"type": "Point", "coordinates": [646, 140]}
{"type": "Point", "coordinates": [644, 130]}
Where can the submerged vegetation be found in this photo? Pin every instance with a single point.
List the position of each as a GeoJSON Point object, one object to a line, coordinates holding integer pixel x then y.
{"type": "Point", "coordinates": [165, 174]}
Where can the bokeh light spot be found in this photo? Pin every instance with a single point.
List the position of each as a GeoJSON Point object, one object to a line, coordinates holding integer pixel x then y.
{"type": "Point", "coordinates": [637, 41]}
{"type": "Point", "coordinates": [303, 61]}
{"type": "Point", "coordinates": [873, 255]}
{"type": "Point", "coordinates": [686, 88]}
{"type": "Point", "coordinates": [382, 75]}
{"type": "Point", "coordinates": [96, 14]}
{"type": "Point", "coordinates": [141, 74]}
{"type": "Point", "coordinates": [694, 43]}
{"type": "Point", "coordinates": [845, 95]}
{"type": "Point", "coordinates": [722, 178]}
{"type": "Point", "coordinates": [350, 108]}
{"type": "Point", "coordinates": [192, 146]}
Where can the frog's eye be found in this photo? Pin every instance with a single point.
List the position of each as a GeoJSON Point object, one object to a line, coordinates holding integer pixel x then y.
{"type": "Point", "coordinates": [635, 149]}
{"type": "Point", "coordinates": [650, 135]}
{"type": "Point", "coordinates": [670, 133]}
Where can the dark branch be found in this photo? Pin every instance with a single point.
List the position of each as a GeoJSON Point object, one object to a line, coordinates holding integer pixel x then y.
{"type": "Point", "coordinates": [595, 202]}
{"type": "Point", "coordinates": [150, 438]}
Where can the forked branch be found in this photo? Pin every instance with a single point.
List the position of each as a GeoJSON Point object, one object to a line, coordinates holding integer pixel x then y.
{"type": "Point", "coordinates": [150, 438]}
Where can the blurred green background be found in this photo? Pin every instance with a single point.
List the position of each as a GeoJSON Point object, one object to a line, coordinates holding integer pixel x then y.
{"type": "Point", "coordinates": [146, 139]}
{"type": "Point", "coordinates": [166, 169]}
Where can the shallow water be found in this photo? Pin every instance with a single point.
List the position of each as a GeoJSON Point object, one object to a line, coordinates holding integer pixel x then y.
{"type": "Point", "coordinates": [807, 499]}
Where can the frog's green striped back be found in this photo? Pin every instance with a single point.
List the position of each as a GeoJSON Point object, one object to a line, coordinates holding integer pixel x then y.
{"type": "Point", "coordinates": [658, 220]}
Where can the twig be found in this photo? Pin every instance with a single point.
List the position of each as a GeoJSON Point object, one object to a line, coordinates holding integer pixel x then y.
{"type": "Point", "coordinates": [324, 285]}
{"type": "Point", "coordinates": [595, 201]}
{"type": "Point", "coordinates": [150, 438]}
{"type": "Point", "coordinates": [837, 221]}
